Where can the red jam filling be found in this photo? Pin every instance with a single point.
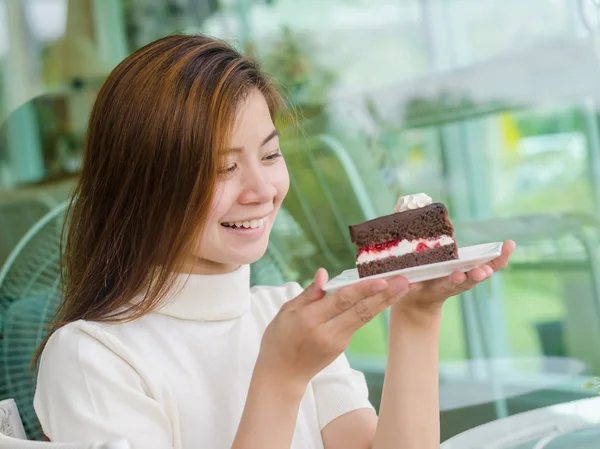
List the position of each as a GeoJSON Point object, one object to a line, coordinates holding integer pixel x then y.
{"type": "Point", "coordinates": [379, 246]}
{"type": "Point", "coordinates": [421, 247]}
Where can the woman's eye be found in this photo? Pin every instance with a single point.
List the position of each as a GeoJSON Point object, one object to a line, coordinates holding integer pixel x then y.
{"type": "Point", "coordinates": [273, 156]}
{"type": "Point", "coordinates": [228, 170]}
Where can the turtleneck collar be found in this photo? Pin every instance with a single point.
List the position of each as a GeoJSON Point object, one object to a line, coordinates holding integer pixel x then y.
{"type": "Point", "coordinates": [209, 297]}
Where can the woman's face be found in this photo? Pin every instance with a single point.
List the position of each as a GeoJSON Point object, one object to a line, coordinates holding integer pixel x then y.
{"type": "Point", "coordinates": [250, 189]}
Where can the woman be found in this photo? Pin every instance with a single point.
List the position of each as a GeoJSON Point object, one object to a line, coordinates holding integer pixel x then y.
{"type": "Point", "coordinates": [160, 339]}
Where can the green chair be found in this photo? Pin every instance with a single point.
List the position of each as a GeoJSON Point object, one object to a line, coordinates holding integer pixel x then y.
{"type": "Point", "coordinates": [29, 295]}
{"type": "Point", "coordinates": [327, 193]}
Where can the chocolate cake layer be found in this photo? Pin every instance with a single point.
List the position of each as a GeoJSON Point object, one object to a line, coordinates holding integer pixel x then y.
{"type": "Point", "coordinates": [439, 254]}
{"type": "Point", "coordinates": [427, 222]}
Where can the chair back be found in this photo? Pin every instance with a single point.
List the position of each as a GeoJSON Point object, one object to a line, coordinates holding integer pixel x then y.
{"type": "Point", "coordinates": [29, 296]}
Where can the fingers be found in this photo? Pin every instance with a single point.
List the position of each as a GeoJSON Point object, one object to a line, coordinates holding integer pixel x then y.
{"type": "Point", "coordinates": [454, 284]}
{"type": "Point", "coordinates": [501, 261]}
{"type": "Point", "coordinates": [472, 278]}
{"type": "Point", "coordinates": [458, 282]}
{"type": "Point", "coordinates": [442, 287]}
{"type": "Point", "coordinates": [311, 293]}
{"type": "Point", "coordinates": [368, 308]}
{"type": "Point", "coordinates": [321, 278]}
{"type": "Point", "coordinates": [488, 270]}
{"type": "Point", "coordinates": [368, 298]}
{"type": "Point", "coordinates": [347, 297]}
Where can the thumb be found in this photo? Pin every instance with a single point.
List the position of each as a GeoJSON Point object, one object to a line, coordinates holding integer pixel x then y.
{"type": "Point", "coordinates": [315, 291]}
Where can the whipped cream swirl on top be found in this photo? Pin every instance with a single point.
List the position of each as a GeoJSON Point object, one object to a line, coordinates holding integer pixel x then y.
{"type": "Point", "coordinates": [410, 202]}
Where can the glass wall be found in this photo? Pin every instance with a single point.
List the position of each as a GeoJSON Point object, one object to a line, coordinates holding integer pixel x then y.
{"type": "Point", "coordinates": [488, 106]}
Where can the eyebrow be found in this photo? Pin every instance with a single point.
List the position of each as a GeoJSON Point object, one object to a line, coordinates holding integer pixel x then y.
{"type": "Point", "coordinates": [273, 134]}
{"type": "Point", "coordinates": [266, 140]}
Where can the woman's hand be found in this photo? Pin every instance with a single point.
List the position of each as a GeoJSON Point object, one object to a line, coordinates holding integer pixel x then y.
{"type": "Point", "coordinates": [312, 330]}
{"type": "Point", "coordinates": [432, 294]}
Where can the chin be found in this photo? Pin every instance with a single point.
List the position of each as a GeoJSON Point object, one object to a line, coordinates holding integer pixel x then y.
{"type": "Point", "coordinates": [248, 257]}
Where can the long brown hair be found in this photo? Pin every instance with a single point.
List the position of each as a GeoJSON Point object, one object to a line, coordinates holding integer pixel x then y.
{"type": "Point", "coordinates": [151, 157]}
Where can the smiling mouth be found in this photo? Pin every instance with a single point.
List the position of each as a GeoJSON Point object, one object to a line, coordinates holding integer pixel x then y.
{"type": "Point", "coordinates": [251, 224]}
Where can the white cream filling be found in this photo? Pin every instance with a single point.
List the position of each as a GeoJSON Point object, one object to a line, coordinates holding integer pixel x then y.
{"type": "Point", "coordinates": [402, 248]}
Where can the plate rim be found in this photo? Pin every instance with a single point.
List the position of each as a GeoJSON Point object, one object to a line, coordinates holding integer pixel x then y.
{"type": "Point", "coordinates": [494, 251]}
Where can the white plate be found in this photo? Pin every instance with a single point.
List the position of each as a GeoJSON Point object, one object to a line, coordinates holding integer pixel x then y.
{"type": "Point", "coordinates": [469, 257]}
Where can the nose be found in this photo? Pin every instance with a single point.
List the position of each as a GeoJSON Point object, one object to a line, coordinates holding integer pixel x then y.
{"type": "Point", "coordinates": [257, 187]}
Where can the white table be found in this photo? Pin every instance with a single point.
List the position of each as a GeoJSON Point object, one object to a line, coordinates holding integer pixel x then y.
{"type": "Point", "coordinates": [572, 425]}
{"type": "Point", "coordinates": [466, 383]}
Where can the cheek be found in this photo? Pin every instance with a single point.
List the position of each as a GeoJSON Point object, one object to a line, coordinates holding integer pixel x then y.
{"type": "Point", "coordinates": [282, 182]}
{"type": "Point", "coordinates": [219, 206]}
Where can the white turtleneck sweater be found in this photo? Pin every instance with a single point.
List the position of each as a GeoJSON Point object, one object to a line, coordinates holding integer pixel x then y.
{"type": "Point", "coordinates": [178, 378]}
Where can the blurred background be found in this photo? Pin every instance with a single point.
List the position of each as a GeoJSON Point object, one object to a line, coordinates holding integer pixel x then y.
{"type": "Point", "coordinates": [489, 106]}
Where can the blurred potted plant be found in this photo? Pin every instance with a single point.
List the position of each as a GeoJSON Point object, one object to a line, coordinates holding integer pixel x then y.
{"type": "Point", "coordinates": [147, 20]}
{"type": "Point", "coordinates": [291, 62]}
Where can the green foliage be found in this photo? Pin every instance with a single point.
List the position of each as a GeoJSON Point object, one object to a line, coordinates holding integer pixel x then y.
{"type": "Point", "coordinates": [3, 110]}
{"type": "Point", "coordinates": [593, 385]}
{"type": "Point", "coordinates": [291, 62]}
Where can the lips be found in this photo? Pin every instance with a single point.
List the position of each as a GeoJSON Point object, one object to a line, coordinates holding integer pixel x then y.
{"type": "Point", "coordinates": [250, 224]}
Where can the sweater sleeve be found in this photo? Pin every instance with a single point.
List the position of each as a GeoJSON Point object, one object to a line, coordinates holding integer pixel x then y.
{"type": "Point", "coordinates": [86, 392]}
{"type": "Point", "coordinates": [339, 389]}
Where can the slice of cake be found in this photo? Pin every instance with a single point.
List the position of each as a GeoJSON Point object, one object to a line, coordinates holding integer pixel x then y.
{"type": "Point", "coordinates": [419, 233]}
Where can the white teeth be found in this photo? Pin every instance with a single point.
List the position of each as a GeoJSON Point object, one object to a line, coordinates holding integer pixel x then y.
{"type": "Point", "coordinates": [248, 224]}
